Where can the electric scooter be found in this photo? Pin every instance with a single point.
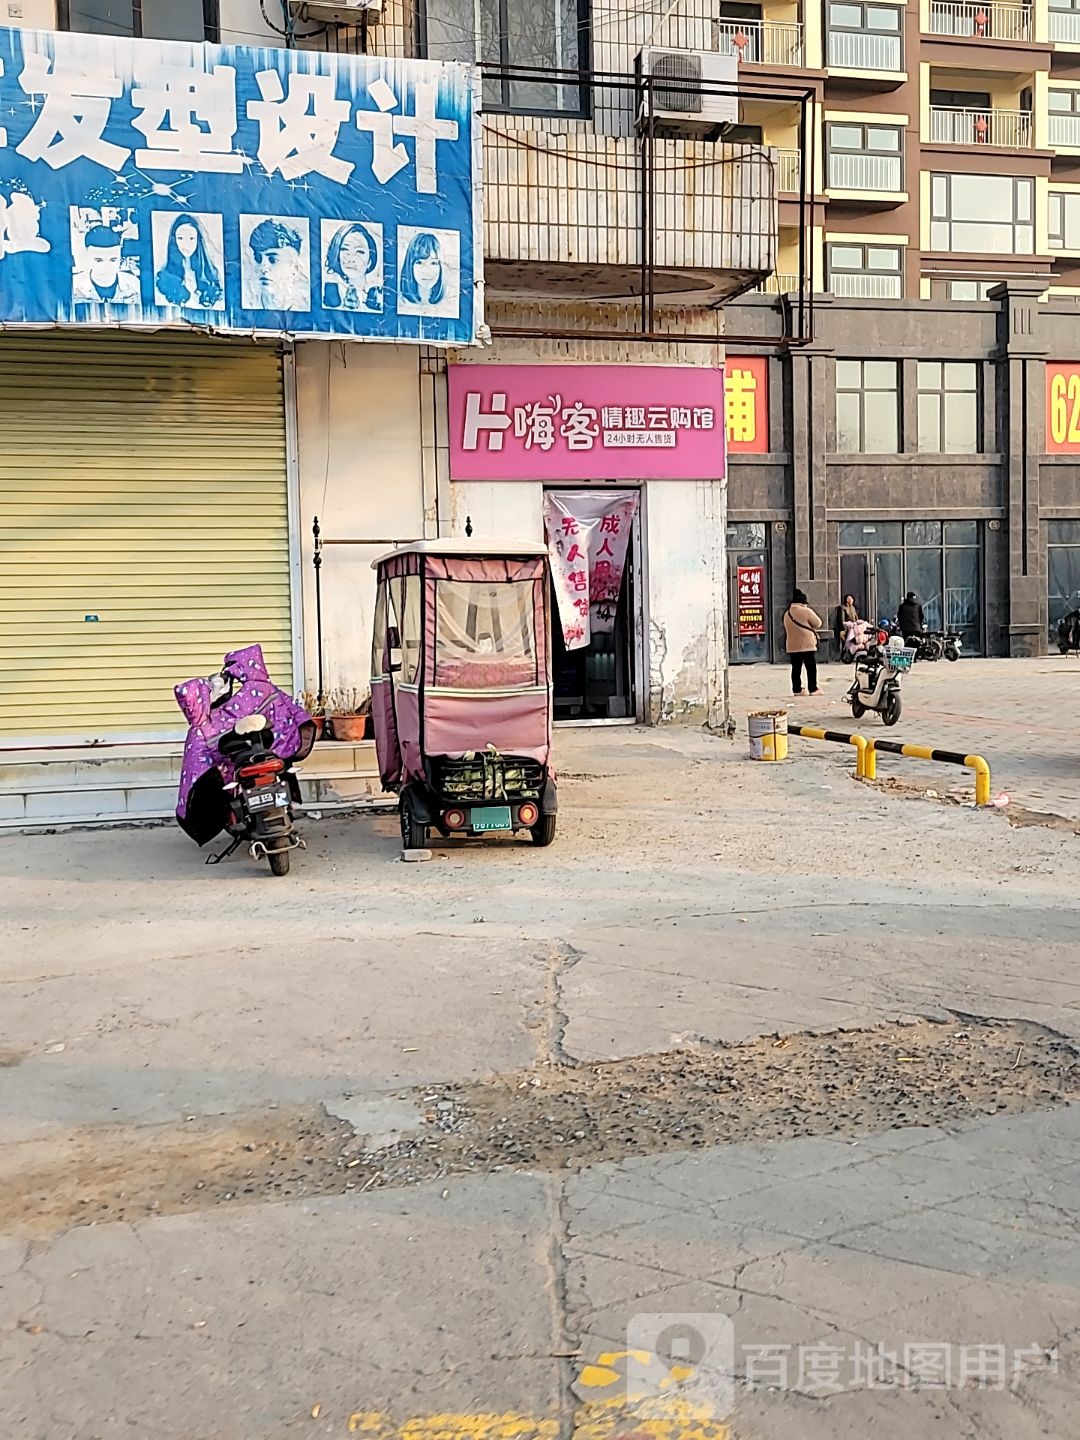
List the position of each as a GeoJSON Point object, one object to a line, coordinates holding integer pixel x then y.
{"type": "Point", "coordinates": [877, 679]}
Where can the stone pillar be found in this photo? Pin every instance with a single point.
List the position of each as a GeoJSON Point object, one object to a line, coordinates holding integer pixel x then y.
{"type": "Point", "coordinates": [1021, 357]}
{"type": "Point", "coordinates": [809, 421]}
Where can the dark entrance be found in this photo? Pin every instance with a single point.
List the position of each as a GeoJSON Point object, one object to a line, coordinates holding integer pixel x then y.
{"type": "Point", "coordinates": [599, 682]}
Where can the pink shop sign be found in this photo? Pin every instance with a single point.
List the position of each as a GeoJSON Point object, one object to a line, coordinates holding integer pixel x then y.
{"type": "Point", "coordinates": [586, 422]}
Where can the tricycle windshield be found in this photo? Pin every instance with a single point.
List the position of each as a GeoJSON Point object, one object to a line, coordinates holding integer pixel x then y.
{"type": "Point", "coordinates": [485, 634]}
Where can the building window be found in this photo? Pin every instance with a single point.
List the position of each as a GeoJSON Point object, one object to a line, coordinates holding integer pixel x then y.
{"type": "Point", "coordinates": [1065, 22]}
{"type": "Point", "coordinates": [962, 289]}
{"type": "Point", "coordinates": [865, 157]}
{"type": "Point", "coordinates": [991, 214]}
{"type": "Point", "coordinates": [1064, 117]}
{"type": "Point", "coordinates": [867, 407]}
{"type": "Point", "coordinates": [1063, 220]}
{"type": "Point", "coordinates": [146, 19]}
{"type": "Point", "coordinates": [865, 37]}
{"type": "Point", "coordinates": [875, 272]}
{"type": "Point", "coordinates": [551, 34]}
{"type": "Point", "coordinates": [948, 407]}
{"type": "Point", "coordinates": [1062, 570]}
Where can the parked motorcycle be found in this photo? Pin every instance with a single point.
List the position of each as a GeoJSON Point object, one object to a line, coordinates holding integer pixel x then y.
{"type": "Point", "coordinates": [237, 776]}
{"type": "Point", "coordinates": [1068, 633]}
{"type": "Point", "coordinates": [877, 679]}
{"type": "Point", "coordinates": [931, 644]}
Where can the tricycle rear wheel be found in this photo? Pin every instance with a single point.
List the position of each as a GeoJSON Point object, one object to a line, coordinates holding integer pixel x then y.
{"type": "Point", "coordinates": [413, 834]}
{"type": "Point", "coordinates": [543, 832]}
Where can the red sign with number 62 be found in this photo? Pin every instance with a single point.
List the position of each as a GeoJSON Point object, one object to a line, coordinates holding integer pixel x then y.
{"type": "Point", "coordinates": [1062, 408]}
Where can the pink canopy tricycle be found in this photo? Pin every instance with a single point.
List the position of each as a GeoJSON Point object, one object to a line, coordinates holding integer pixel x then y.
{"type": "Point", "coordinates": [461, 688]}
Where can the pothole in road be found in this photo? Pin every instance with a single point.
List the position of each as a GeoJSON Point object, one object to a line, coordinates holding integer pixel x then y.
{"type": "Point", "coordinates": [849, 1083]}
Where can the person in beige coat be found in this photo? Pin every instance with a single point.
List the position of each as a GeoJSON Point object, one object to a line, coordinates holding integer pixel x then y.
{"type": "Point", "coordinates": [801, 625]}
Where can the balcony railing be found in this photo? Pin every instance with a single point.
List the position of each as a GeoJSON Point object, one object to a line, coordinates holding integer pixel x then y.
{"type": "Point", "coordinates": [867, 287]}
{"type": "Point", "coordinates": [779, 283]}
{"type": "Point", "coordinates": [760, 42]}
{"type": "Point", "coordinates": [865, 172]}
{"type": "Point", "coordinates": [789, 172]}
{"type": "Point", "coordinates": [864, 50]}
{"type": "Point", "coordinates": [1065, 129]}
{"type": "Point", "coordinates": [1064, 27]}
{"type": "Point", "coordinates": [1007, 129]}
{"type": "Point", "coordinates": [980, 21]}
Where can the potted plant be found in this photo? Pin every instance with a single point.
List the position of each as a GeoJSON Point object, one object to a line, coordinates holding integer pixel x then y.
{"type": "Point", "coordinates": [349, 714]}
{"type": "Point", "coordinates": [316, 708]}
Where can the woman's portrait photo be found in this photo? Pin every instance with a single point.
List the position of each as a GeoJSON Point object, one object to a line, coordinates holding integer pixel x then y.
{"type": "Point", "coordinates": [352, 266]}
{"type": "Point", "coordinates": [429, 272]}
{"type": "Point", "coordinates": [188, 261]}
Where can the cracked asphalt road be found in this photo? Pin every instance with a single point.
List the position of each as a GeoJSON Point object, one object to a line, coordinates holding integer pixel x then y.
{"type": "Point", "coordinates": [907, 1278]}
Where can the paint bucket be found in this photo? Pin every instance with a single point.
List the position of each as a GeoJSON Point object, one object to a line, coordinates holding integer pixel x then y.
{"type": "Point", "coordinates": [768, 734]}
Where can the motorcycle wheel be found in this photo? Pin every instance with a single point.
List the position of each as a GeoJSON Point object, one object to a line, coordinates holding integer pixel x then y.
{"type": "Point", "coordinates": [935, 650]}
{"type": "Point", "coordinates": [892, 709]}
{"type": "Point", "coordinates": [279, 861]}
{"type": "Point", "coordinates": [951, 653]}
{"type": "Point", "coordinates": [857, 710]}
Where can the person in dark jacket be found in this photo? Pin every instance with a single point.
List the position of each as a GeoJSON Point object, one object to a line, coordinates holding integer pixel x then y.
{"type": "Point", "coordinates": [910, 616]}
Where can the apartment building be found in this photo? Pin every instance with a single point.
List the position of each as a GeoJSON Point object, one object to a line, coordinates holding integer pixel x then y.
{"type": "Point", "coordinates": [946, 148]}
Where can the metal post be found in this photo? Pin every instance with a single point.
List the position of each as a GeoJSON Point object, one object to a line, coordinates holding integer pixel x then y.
{"type": "Point", "coordinates": [316, 532]}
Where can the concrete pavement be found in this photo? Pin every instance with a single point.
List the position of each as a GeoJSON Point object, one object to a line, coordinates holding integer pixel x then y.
{"type": "Point", "coordinates": [878, 1280]}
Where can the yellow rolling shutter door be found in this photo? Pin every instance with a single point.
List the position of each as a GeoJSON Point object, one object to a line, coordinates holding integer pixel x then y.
{"type": "Point", "coordinates": [143, 525]}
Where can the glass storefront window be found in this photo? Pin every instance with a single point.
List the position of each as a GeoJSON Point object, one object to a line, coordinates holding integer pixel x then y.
{"type": "Point", "coordinates": [1062, 571]}
{"type": "Point", "coordinates": [868, 536]}
{"type": "Point", "coordinates": [940, 561]}
{"type": "Point", "coordinates": [747, 545]}
{"type": "Point", "coordinates": [922, 532]}
{"type": "Point", "coordinates": [961, 532]}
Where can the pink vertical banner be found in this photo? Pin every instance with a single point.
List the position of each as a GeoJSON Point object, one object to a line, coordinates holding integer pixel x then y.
{"type": "Point", "coordinates": [588, 532]}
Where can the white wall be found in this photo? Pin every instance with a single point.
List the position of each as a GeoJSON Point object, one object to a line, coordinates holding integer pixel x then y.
{"type": "Point", "coordinates": [243, 24]}
{"type": "Point", "coordinates": [28, 14]}
{"type": "Point", "coordinates": [361, 472]}
{"type": "Point", "coordinates": [685, 558]}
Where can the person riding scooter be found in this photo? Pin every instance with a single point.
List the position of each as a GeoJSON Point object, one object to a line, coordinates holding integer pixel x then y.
{"type": "Point", "coordinates": [909, 617]}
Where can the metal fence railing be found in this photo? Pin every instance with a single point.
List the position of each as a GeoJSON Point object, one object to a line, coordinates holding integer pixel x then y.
{"type": "Point", "coordinates": [981, 19]}
{"type": "Point", "coordinates": [1007, 129]}
{"type": "Point", "coordinates": [762, 42]}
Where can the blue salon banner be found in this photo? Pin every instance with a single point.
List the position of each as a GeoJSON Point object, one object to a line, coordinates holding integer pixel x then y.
{"type": "Point", "coordinates": [245, 190]}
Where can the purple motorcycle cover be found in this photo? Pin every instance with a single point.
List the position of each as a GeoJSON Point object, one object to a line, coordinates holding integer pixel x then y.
{"type": "Point", "coordinates": [255, 692]}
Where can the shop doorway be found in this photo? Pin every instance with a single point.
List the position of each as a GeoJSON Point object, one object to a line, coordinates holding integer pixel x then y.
{"type": "Point", "coordinates": [749, 591]}
{"type": "Point", "coordinates": [880, 561]}
{"type": "Point", "coordinates": [600, 683]}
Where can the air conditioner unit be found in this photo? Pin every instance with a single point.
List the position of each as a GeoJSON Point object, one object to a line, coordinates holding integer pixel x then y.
{"type": "Point", "coordinates": [343, 12]}
{"type": "Point", "coordinates": [690, 93]}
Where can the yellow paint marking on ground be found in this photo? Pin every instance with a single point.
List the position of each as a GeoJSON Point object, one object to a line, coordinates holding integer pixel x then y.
{"type": "Point", "coordinates": [645, 1418]}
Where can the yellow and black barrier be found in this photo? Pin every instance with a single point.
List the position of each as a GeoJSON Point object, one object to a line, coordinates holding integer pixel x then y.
{"type": "Point", "coordinates": [837, 737]}
{"type": "Point", "coordinates": [928, 752]}
{"type": "Point", "coordinates": [867, 751]}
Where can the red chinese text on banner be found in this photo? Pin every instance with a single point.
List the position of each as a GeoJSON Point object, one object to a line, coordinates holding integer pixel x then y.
{"type": "Point", "coordinates": [588, 532]}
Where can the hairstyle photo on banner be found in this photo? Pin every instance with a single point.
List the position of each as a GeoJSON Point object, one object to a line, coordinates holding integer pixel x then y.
{"type": "Point", "coordinates": [106, 267]}
{"type": "Point", "coordinates": [189, 260]}
{"type": "Point", "coordinates": [20, 221]}
{"type": "Point", "coordinates": [275, 262]}
{"type": "Point", "coordinates": [352, 272]}
{"type": "Point", "coordinates": [429, 272]}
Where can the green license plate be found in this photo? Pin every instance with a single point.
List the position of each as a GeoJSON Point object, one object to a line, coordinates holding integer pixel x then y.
{"type": "Point", "coordinates": [492, 817]}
